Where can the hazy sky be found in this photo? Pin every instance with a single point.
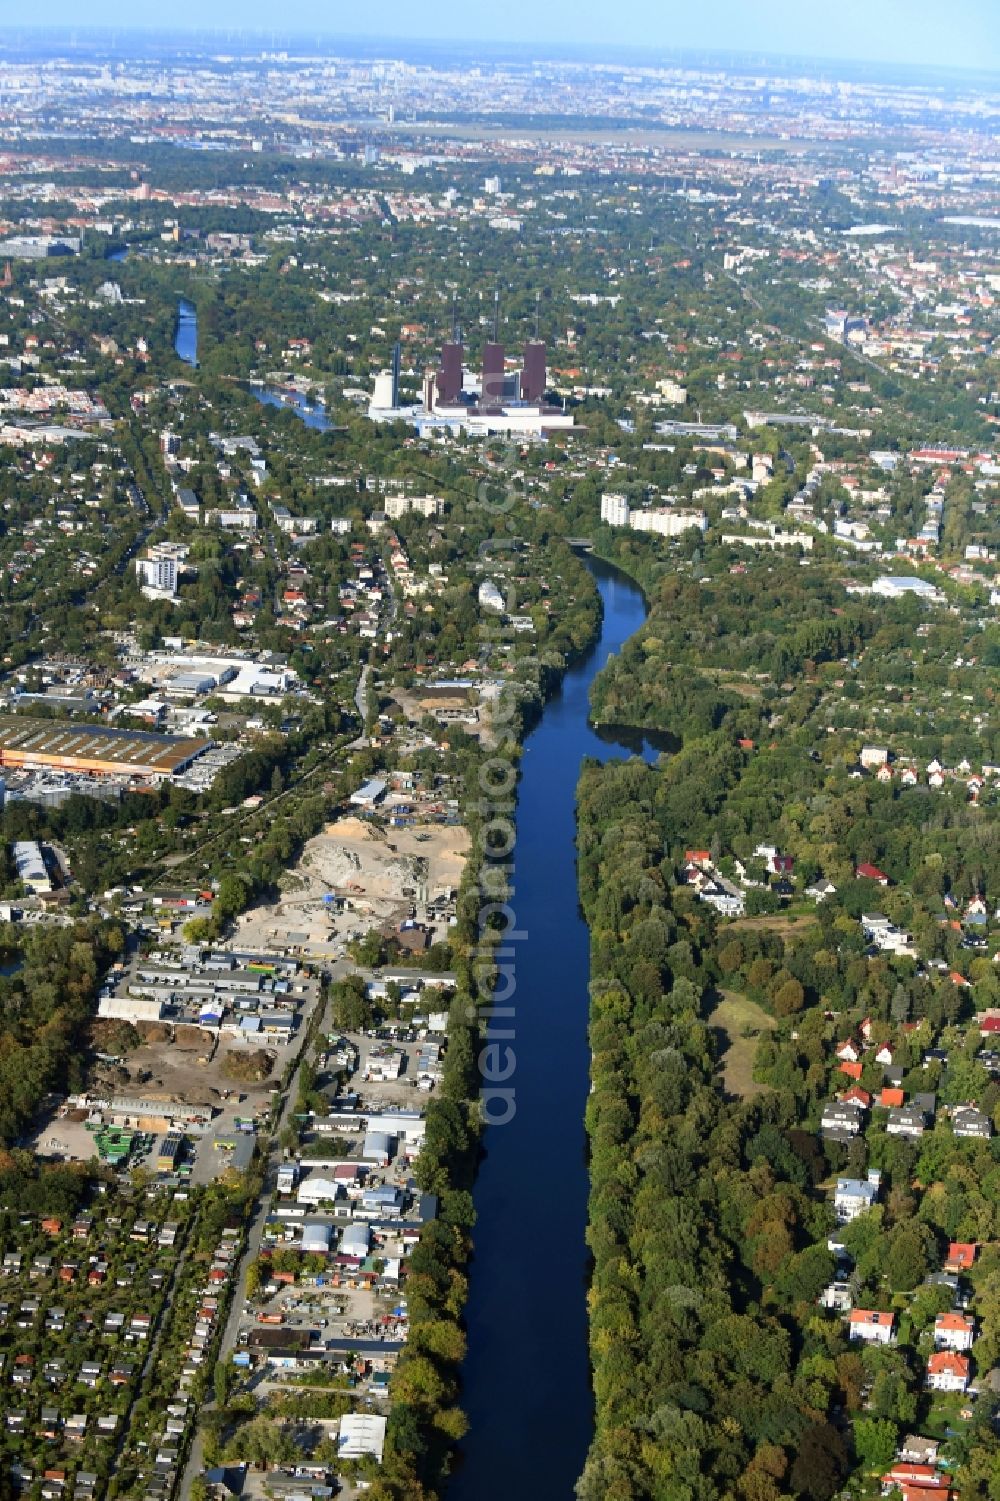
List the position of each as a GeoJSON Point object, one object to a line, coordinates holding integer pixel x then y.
{"type": "Point", "coordinates": [952, 33]}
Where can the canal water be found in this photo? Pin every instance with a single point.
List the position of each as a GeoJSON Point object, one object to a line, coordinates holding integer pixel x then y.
{"type": "Point", "coordinates": [313, 414]}
{"type": "Point", "coordinates": [526, 1379]}
{"type": "Point", "coordinates": [186, 337]}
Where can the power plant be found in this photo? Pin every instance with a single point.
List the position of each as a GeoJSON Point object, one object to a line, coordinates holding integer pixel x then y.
{"type": "Point", "coordinates": [453, 398]}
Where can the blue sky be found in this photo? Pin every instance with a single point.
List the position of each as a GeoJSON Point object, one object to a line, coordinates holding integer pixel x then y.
{"type": "Point", "coordinates": [952, 33]}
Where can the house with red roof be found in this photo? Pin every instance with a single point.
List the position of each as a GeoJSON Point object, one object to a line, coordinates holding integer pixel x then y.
{"type": "Point", "coordinates": [948, 1372]}
{"type": "Point", "coordinates": [961, 1255]}
{"type": "Point", "coordinates": [871, 1325]}
{"type": "Point", "coordinates": [856, 1096]}
{"type": "Point", "coordinates": [852, 1070]}
{"type": "Point", "coordinates": [866, 872]}
{"type": "Point", "coordinates": [891, 1099]}
{"type": "Point", "coordinates": [919, 1479]}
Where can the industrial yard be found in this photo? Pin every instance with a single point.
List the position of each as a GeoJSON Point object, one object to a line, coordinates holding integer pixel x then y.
{"type": "Point", "coordinates": [355, 876]}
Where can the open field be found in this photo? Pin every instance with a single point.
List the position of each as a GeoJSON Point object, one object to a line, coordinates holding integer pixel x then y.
{"type": "Point", "coordinates": [775, 922]}
{"type": "Point", "coordinates": [732, 1016]}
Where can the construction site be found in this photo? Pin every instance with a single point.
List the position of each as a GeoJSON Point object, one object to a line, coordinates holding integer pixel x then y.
{"type": "Point", "coordinates": [356, 876]}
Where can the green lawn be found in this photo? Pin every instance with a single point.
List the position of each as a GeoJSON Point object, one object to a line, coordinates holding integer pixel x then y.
{"type": "Point", "coordinates": [944, 1413]}
{"type": "Point", "coordinates": [732, 1016]}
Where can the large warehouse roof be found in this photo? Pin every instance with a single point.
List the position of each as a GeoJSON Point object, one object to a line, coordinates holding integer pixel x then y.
{"type": "Point", "coordinates": [93, 747]}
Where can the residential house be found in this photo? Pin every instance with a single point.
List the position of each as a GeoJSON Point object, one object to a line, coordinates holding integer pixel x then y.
{"type": "Point", "coordinates": [948, 1372]}
{"type": "Point", "coordinates": [853, 1196]}
{"type": "Point", "coordinates": [961, 1255]}
{"type": "Point", "coordinates": [840, 1120]}
{"type": "Point", "coordinates": [967, 1121]}
{"type": "Point", "coordinates": [872, 1326]}
{"type": "Point", "coordinates": [954, 1331]}
{"type": "Point", "coordinates": [856, 1096]}
{"type": "Point", "coordinates": [915, 1480]}
{"type": "Point", "coordinates": [726, 898]}
{"type": "Point", "coordinates": [908, 1122]}
{"type": "Point", "coordinates": [918, 1450]}
{"type": "Point", "coordinates": [836, 1297]}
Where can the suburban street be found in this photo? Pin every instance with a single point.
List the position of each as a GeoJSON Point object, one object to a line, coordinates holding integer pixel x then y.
{"type": "Point", "coordinates": [255, 1234]}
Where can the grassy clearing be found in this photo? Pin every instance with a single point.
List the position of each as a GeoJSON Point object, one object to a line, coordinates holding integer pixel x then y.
{"type": "Point", "coordinates": [775, 922]}
{"type": "Point", "coordinates": [739, 1022]}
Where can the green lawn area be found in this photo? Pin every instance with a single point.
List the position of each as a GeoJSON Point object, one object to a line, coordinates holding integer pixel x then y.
{"type": "Point", "coordinates": [732, 1016]}
{"type": "Point", "coordinates": [944, 1413]}
{"type": "Point", "coordinates": [789, 920]}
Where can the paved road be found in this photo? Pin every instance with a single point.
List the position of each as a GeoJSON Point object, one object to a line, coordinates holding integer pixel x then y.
{"type": "Point", "coordinates": [195, 1462]}
{"type": "Point", "coordinates": [361, 697]}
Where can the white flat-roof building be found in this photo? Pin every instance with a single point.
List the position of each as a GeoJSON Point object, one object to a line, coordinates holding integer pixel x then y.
{"type": "Point", "coordinates": [369, 793]}
{"type": "Point", "coordinates": [158, 571]}
{"type": "Point", "coordinates": [423, 505]}
{"type": "Point", "coordinates": [317, 1189]}
{"type": "Point", "coordinates": [895, 586]}
{"type": "Point", "coordinates": [355, 1241]}
{"type": "Point", "coordinates": [30, 866]}
{"type": "Point", "coordinates": [361, 1433]}
{"type": "Point", "coordinates": [315, 1238]}
{"type": "Point", "coordinates": [490, 597]}
{"type": "Point", "coordinates": [615, 509]}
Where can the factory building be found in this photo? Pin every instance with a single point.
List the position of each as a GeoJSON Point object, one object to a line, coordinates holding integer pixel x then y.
{"type": "Point", "coordinates": [41, 744]}
{"type": "Point", "coordinates": [30, 865]}
{"type": "Point", "coordinates": [511, 403]}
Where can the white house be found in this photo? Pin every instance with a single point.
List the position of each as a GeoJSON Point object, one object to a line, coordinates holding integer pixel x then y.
{"type": "Point", "coordinates": [948, 1372]}
{"type": "Point", "coordinates": [727, 900]}
{"type": "Point", "coordinates": [852, 1197]}
{"type": "Point", "coordinates": [872, 1326]}
{"type": "Point", "coordinates": [954, 1331]}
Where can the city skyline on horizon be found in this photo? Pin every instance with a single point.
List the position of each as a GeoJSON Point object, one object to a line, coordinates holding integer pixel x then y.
{"type": "Point", "coordinates": [879, 33]}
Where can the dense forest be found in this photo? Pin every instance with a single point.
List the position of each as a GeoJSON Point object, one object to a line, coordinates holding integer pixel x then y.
{"type": "Point", "coordinates": [716, 1373]}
